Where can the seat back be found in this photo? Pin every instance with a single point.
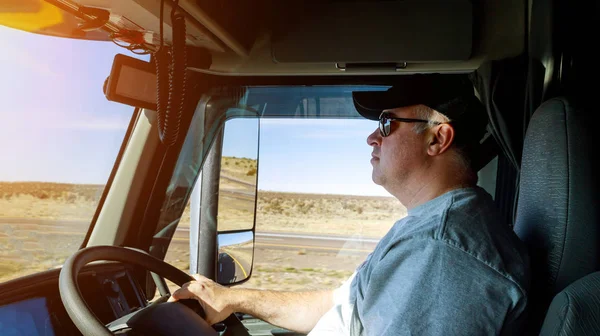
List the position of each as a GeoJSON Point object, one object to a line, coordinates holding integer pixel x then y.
{"type": "Point", "coordinates": [558, 211]}
{"type": "Point", "coordinates": [575, 310]}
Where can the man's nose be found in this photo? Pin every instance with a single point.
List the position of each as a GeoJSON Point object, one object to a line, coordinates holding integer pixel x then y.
{"type": "Point", "coordinates": [374, 139]}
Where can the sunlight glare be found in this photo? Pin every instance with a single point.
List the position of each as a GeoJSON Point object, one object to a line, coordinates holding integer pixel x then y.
{"type": "Point", "coordinates": [46, 16]}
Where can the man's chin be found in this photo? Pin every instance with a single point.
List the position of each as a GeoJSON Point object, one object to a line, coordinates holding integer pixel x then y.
{"type": "Point", "coordinates": [376, 178]}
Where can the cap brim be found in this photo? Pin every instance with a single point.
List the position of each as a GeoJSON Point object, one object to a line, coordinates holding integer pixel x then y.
{"type": "Point", "coordinates": [370, 104]}
{"type": "Point", "coordinates": [433, 90]}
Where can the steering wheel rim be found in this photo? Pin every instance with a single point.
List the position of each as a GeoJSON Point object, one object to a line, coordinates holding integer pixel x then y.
{"type": "Point", "coordinates": [79, 312]}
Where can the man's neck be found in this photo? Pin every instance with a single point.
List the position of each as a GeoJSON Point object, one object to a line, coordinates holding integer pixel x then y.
{"type": "Point", "coordinates": [430, 185]}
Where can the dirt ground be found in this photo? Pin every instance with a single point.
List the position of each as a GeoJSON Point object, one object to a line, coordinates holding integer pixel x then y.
{"type": "Point", "coordinates": [289, 270]}
{"type": "Point", "coordinates": [28, 244]}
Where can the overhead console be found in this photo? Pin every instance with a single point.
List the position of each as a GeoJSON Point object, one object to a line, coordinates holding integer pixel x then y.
{"type": "Point", "coordinates": [375, 32]}
{"type": "Point", "coordinates": [330, 37]}
{"type": "Point", "coordinates": [344, 37]}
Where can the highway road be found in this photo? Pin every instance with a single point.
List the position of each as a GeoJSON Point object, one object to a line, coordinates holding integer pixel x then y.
{"type": "Point", "coordinates": [265, 240]}
{"type": "Point", "coordinates": [51, 236]}
{"type": "Point", "coordinates": [299, 241]}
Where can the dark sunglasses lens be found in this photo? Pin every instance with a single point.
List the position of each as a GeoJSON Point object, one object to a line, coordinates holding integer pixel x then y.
{"type": "Point", "coordinates": [384, 126]}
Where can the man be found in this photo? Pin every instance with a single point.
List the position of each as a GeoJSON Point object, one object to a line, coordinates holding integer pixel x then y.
{"type": "Point", "coordinates": [449, 268]}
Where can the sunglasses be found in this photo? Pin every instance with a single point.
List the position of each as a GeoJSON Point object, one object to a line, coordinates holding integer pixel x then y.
{"type": "Point", "coordinates": [385, 122]}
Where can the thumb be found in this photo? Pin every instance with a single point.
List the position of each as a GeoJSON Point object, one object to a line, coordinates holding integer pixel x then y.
{"type": "Point", "coordinates": [181, 293]}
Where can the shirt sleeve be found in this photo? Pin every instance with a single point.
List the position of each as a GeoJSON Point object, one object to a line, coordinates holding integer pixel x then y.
{"type": "Point", "coordinates": [427, 287]}
{"type": "Point", "coordinates": [335, 321]}
{"type": "Point", "coordinates": [341, 294]}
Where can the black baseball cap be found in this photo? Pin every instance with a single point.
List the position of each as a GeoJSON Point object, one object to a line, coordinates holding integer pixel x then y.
{"type": "Point", "coordinates": [451, 95]}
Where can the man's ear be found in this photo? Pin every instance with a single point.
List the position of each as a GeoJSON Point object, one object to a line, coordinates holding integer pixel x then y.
{"type": "Point", "coordinates": [440, 139]}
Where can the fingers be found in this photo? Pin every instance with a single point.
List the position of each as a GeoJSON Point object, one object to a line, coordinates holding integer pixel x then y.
{"type": "Point", "coordinates": [181, 293]}
{"type": "Point", "coordinates": [208, 294]}
{"type": "Point", "coordinates": [175, 296]}
{"type": "Point", "coordinates": [184, 292]}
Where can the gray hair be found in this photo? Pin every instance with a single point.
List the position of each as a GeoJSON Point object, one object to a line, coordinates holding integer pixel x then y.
{"type": "Point", "coordinates": [434, 117]}
{"type": "Point", "coordinates": [427, 113]}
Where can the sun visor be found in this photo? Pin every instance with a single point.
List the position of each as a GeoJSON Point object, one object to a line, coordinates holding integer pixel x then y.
{"type": "Point", "coordinates": [378, 31]}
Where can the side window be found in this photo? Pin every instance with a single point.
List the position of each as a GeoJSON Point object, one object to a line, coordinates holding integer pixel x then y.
{"type": "Point", "coordinates": [59, 140]}
{"type": "Point", "coordinates": [319, 214]}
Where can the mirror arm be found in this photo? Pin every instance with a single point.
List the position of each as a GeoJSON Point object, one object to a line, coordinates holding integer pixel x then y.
{"type": "Point", "coordinates": [161, 284]}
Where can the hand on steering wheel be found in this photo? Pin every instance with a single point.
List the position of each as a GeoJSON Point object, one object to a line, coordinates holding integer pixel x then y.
{"type": "Point", "coordinates": [169, 318]}
{"type": "Point", "coordinates": [213, 297]}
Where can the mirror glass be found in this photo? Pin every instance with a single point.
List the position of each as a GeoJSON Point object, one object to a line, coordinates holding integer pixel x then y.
{"type": "Point", "coordinates": [237, 184]}
{"type": "Point", "coordinates": [236, 252]}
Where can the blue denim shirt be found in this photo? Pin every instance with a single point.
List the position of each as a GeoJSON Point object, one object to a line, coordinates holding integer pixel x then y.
{"type": "Point", "coordinates": [451, 267]}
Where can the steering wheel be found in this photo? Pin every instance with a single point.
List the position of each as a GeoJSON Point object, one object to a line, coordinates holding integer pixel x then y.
{"type": "Point", "coordinates": [167, 318]}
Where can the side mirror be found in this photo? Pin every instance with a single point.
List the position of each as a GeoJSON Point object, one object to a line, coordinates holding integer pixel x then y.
{"type": "Point", "coordinates": [223, 204]}
{"type": "Point", "coordinates": [235, 254]}
{"type": "Point", "coordinates": [236, 214]}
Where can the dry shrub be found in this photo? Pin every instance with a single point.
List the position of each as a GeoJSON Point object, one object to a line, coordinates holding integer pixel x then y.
{"type": "Point", "coordinates": [48, 190]}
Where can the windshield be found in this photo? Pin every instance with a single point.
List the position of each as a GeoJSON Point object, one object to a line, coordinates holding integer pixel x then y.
{"type": "Point", "coordinates": [308, 115]}
{"type": "Point", "coordinates": [59, 140]}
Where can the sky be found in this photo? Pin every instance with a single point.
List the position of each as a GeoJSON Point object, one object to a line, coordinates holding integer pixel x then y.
{"type": "Point", "coordinates": [328, 156]}
{"type": "Point", "coordinates": [57, 125]}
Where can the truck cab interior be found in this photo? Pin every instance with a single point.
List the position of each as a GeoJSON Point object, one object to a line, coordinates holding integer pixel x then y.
{"type": "Point", "coordinates": [210, 62]}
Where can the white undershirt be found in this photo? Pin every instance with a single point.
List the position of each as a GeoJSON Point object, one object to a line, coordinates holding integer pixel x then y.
{"type": "Point", "coordinates": [336, 321]}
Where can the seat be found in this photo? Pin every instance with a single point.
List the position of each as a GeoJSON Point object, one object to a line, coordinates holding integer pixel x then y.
{"type": "Point", "coordinates": [576, 309]}
{"type": "Point", "coordinates": [558, 210]}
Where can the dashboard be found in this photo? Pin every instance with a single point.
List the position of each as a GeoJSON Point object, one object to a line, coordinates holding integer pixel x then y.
{"type": "Point", "coordinates": [32, 305]}
{"type": "Point", "coordinates": [28, 317]}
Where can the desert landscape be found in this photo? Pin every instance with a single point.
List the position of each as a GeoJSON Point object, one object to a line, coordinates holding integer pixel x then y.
{"type": "Point", "coordinates": [42, 223]}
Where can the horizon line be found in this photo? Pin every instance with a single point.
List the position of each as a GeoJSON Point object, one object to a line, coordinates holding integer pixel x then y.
{"type": "Point", "coordinates": [259, 190]}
